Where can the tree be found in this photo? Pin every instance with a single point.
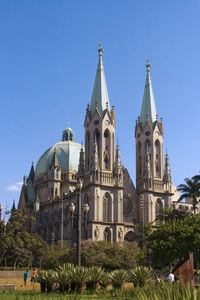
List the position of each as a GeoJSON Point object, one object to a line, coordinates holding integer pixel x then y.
{"type": "Point", "coordinates": [17, 246]}
{"type": "Point", "coordinates": [191, 189]}
{"type": "Point", "coordinates": [174, 239]}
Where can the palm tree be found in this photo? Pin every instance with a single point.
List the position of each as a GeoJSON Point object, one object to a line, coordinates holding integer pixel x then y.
{"type": "Point", "coordinates": [191, 189]}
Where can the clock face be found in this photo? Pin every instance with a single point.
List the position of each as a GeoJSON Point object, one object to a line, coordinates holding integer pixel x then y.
{"type": "Point", "coordinates": [107, 122]}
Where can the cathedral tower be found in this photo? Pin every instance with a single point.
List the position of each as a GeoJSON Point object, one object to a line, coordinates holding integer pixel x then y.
{"type": "Point", "coordinates": [103, 177]}
{"type": "Point", "coordinates": [154, 188]}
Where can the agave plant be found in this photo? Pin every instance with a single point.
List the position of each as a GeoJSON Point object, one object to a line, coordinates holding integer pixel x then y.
{"type": "Point", "coordinates": [79, 276]}
{"type": "Point", "coordinates": [96, 274]}
{"type": "Point", "coordinates": [63, 277]}
{"type": "Point", "coordinates": [140, 276]}
{"type": "Point", "coordinates": [104, 282]}
{"type": "Point", "coordinates": [118, 277]}
{"type": "Point", "coordinates": [46, 280]}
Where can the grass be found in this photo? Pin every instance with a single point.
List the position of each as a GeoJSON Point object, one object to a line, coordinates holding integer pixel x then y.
{"type": "Point", "coordinates": [20, 284]}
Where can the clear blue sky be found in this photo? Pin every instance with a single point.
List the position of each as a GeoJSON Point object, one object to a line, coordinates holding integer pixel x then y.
{"type": "Point", "coordinates": [48, 60]}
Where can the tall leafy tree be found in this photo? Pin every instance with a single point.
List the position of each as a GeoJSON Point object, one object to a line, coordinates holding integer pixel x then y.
{"type": "Point", "coordinates": [191, 189]}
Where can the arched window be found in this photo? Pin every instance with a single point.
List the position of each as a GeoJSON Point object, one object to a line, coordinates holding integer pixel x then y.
{"type": "Point", "coordinates": [106, 139]}
{"type": "Point", "coordinates": [157, 158]}
{"type": "Point", "coordinates": [97, 137]}
{"type": "Point", "coordinates": [107, 208]}
{"type": "Point", "coordinates": [139, 160]}
{"type": "Point", "coordinates": [107, 235]}
{"type": "Point", "coordinates": [158, 210]}
{"type": "Point", "coordinates": [88, 149]}
{"type": "Point", "coordinates": [106, 162]}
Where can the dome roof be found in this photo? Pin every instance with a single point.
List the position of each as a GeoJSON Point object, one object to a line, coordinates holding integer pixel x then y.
{"type": "Point", "coordinates": [67, 152]}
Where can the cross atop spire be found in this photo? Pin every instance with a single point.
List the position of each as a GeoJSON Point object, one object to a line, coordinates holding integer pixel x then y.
{"type": "Point", "coordinates": [100, 50]}
{"type": "Point", "coordinates": [148, 66]}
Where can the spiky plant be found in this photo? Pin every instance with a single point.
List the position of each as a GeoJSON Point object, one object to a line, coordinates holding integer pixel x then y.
{"type": "Point", "coordinates": [118, 277]}
{"type": "Point", "coordinates": [140, 276]}
{"type": "Point", "coordinates": [95, 276]}
{"type": "Point", "coordinates": [79, 276]}
{"type": "Point", "coordinates": [63, 277]}
{"type": "Point", "coordinates": [46, 278]}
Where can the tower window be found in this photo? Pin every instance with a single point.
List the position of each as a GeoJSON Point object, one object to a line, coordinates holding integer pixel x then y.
{"type": "Point", "coordinates": [107, 209]}
{"type": "Point", "coordinates": [106, 139]}
{"type": "Point", "coordinates": [106, 164]}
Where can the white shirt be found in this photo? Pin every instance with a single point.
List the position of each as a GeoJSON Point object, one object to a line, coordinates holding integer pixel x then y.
{"type": "Point", "coordinates": [171, 277]}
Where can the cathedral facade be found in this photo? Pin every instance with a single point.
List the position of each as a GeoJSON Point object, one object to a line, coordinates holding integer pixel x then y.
{"type": "Point", "coordinates": [111, 206]}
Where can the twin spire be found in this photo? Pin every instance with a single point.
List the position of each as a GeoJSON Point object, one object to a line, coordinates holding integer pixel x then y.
{"type": "Point", "coordinates": [148, 110]}
{"type": "Point", "coordinates": [100, 93]}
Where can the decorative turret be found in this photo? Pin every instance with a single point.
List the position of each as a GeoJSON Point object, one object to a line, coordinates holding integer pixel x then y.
{"type": "Point", "coordinates": [13, 207]}
{"type": "Point", "coordinates": [31, 174]}
{"type": "Point", "coordinates": [167, 174]}
{"type": "Point", "coordinates": [148, 111]}
{"type": "Point", "coordinates": [147, 166]}
{"type": "Point", "coordinates": [68, 135]}
{"type": "Point", "coordinates": [55, 162]}
{"type": "Point", "coordinates": [100, 98]}
{"type": "Point", "coordinates": [81, 167]}
{"type": "Point", "coordinates": [118, 165]}
{"type": "Point", "coordinates": [95, 161]}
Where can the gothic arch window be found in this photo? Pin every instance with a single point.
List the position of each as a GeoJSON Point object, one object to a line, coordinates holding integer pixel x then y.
{"type": "Point", "coordinates": [97, 137]}
{"type": "Point", "coordinates": [107, 235]}
{"type": "Point", "coordinates": [139, 158]}
{"type": "Point", "coordinates": [106, 162]}
{"type": "Point", "coordinates": [88, 149]}
{"type": "Point", "coordinates": [106, 139]}
{"type": "Point", "coordinates": [157, 158]}
{"type": "Point", "coordinates": [158, 210]}
{"type": "Point", "coordinates": [107, 208]}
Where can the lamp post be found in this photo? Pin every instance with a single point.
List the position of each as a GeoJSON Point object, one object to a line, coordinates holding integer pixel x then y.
{"type": "Point", "coordinates": [85, 210]}
{"type": "Point", "coordinates": [78, 223]}
{"type": "Point", "coordinates": [61, 244]}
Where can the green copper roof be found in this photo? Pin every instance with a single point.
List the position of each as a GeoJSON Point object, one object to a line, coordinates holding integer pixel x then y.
{"type": "Point", "coordinates": [67, 153]}
{"type": "Point", "coordinates": [100, 93]}
{"type": "Point", "coordinates": [148, 104]}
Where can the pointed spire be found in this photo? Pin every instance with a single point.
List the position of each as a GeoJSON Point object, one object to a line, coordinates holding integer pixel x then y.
{"type": "Point", "coordinates": [13, 207]}
{"type": "Point", "coordinates": [55, 162]}
{"type": "Point", "coordinates": [167, 174]}
{"type": "Point", "coordinates": [100, 93]}
{"type": "Point", "coordinates": [148, 103]}
{"type": "Point", "coordinates": [81, 166]}
{"type": "Point", "coordinates": [32, 173]}
{"type": "Point", "coordinates": [118, 164]}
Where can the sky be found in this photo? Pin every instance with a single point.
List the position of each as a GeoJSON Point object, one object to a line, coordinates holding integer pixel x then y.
{"type": "Point", "coordinates": [48, 61]}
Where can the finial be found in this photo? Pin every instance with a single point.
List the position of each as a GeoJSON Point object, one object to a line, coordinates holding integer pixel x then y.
{"type": "Point", "coordinates": [113, 108]}
{"type": "Point", "coordinates": [117, 142]}
{"type": "Point", "coordinates": [100, 50]}
{"type": "Point", "coordinates": [107, 104]}
{"type": "Point", "coordinates": [148, 66]}
{"type": "Point", "coordinates": [161, 120]}
{"type": "Point", "coordinates": [136, 122]}
{"type": "Point", "coordinates": [166, 152]}
{"type": "Point", "coordinates": [32, 163]}
{"type": "Point", "coordinates": [156, 117]}
{"type": "Point", "coordinates": [88, 106]}
{"type": "Point", "coordinates": [24, 179]}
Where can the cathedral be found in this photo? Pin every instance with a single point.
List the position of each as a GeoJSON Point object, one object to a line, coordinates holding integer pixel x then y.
{"type": "Point", "coordinates": [111, 206]}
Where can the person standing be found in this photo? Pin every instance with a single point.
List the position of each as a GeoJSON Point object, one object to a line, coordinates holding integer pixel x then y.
{"type": "Point", "coordinates": [26, 274]}
{"type": "Point", "coordinates": [171, 277]}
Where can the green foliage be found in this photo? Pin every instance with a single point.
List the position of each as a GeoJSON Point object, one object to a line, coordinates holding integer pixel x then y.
{"type": "Point", "coordinates": [79, 276]}
{"type": "Point", "coordinates": [111, 256]}
{"type": "Point", "coordinates": [191, 189]}
{"type": "Point", "coordinates": [46, 280]}
{"type": "Point", "coordinates": [18, 247]}
{"type": "Point", "coordinates": [118, 277]}
{"type": "Point", "coordinates": [140, 276]}
{"type": "Point", "coordinates": [96, 275]}
{"type": "Point", "coordinates": [175, 239]}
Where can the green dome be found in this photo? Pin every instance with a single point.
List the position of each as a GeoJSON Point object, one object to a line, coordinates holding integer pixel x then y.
{"type": "Point", "coordinates": [67, 152]}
